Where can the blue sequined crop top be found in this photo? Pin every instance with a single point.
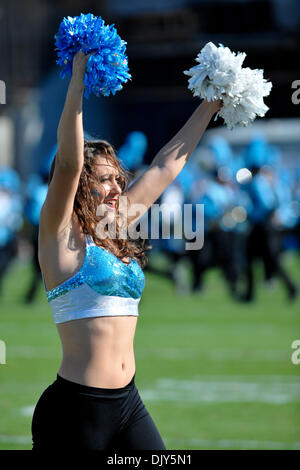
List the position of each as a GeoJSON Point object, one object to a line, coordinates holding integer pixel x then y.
{"type": "Point", "coordinates": [104, 286]}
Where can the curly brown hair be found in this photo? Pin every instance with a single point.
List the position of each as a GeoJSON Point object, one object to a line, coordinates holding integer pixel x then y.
{"type": "Point", "coordinates": [85, 205]}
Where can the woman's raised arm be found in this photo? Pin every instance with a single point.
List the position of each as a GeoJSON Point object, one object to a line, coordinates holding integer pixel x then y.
{"type": "Point", "coordinates": [70, 138]}
{"type": "Point", "coordinates": [57, 210]}
{"type": "Point", "coordinates": [170, 160]}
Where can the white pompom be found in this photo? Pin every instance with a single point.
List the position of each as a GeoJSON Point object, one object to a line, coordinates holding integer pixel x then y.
{"type": "Point", "coordinates": [220, 75]}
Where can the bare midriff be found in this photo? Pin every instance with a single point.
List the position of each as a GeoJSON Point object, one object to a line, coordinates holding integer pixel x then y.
{"type": "Point", "coordinates": [98, 351]}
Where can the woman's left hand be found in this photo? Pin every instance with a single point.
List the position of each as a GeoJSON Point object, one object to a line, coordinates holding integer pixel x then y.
{"type": "Point", "coordinates": [215, 106]}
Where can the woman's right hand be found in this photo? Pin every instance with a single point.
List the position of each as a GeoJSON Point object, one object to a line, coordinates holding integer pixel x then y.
{"type": "Point", "coordinates": [78, 70]}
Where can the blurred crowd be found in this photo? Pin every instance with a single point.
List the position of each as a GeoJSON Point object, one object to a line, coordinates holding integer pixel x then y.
{"type": "Point", "coordinates": [251, 204]}
{"type": "Point", "coordinates": [251, 213]}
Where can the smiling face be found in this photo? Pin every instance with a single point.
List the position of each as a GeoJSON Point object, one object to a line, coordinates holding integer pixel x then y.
{"type": "Point", "coordinates": [108, 190]}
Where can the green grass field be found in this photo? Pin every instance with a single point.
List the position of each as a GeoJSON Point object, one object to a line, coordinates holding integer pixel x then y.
{"type": "Point", "coordinates": [214, 374]}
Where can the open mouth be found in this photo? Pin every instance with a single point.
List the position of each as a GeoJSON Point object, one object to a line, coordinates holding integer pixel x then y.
{"type": "Point", "coordinates": [111, 204]}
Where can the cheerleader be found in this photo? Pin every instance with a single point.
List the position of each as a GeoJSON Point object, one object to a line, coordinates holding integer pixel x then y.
{"type": "Point", "coordinates": [94, 283]}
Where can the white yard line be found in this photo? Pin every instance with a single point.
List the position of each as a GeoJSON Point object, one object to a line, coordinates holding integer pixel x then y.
{"type": "Point", "coordinates": [215, 354]}
{"type": "Point", "coordinates": [15, 439]}
{"type": "Point", "coordinates": [230, 444]}
{"type": "Point", "coordinates": [230, 390]}
{"type": "Point", "coordinates": [27, 410]}
{"type": "Point", "coordinates": [26, 351]}
{"type": "Point", "coordinates": [186, 443]}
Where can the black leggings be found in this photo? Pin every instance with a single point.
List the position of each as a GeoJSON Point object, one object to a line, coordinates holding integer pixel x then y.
{"type": "Point", "coordinates": [71, 416]}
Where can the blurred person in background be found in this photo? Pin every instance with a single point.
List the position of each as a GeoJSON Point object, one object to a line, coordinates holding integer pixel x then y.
{"type": "Point", "coordinates": [171, 224]}
{"type": "Point", "coordinates": [264, 241]}
{"type": "Point", "coordinates": [133, 151]}
{"type": "Point", "coordinates": [296, 209]}
{"type": "Point", "coordinates": [11, 218]}
{"type": "Point", "coordinates": [217, 194]}
{"type": "Point", "coordinates": [167, 223]}
{"type": "Point", "coordinates": [284, 219]}
{"type": "Point", "coordinates": [35, 194]}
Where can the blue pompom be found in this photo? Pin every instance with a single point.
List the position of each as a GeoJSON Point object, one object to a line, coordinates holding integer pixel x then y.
{"type": "Point", "coordinates": [107, 68]}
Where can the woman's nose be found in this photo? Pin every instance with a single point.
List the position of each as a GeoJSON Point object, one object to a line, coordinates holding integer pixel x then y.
{"type": "Point", "coordinates": [116, 188]}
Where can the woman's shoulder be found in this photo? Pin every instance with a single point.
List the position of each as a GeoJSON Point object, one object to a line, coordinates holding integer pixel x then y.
{"type": "Point", "coordinates": [60, 255]}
